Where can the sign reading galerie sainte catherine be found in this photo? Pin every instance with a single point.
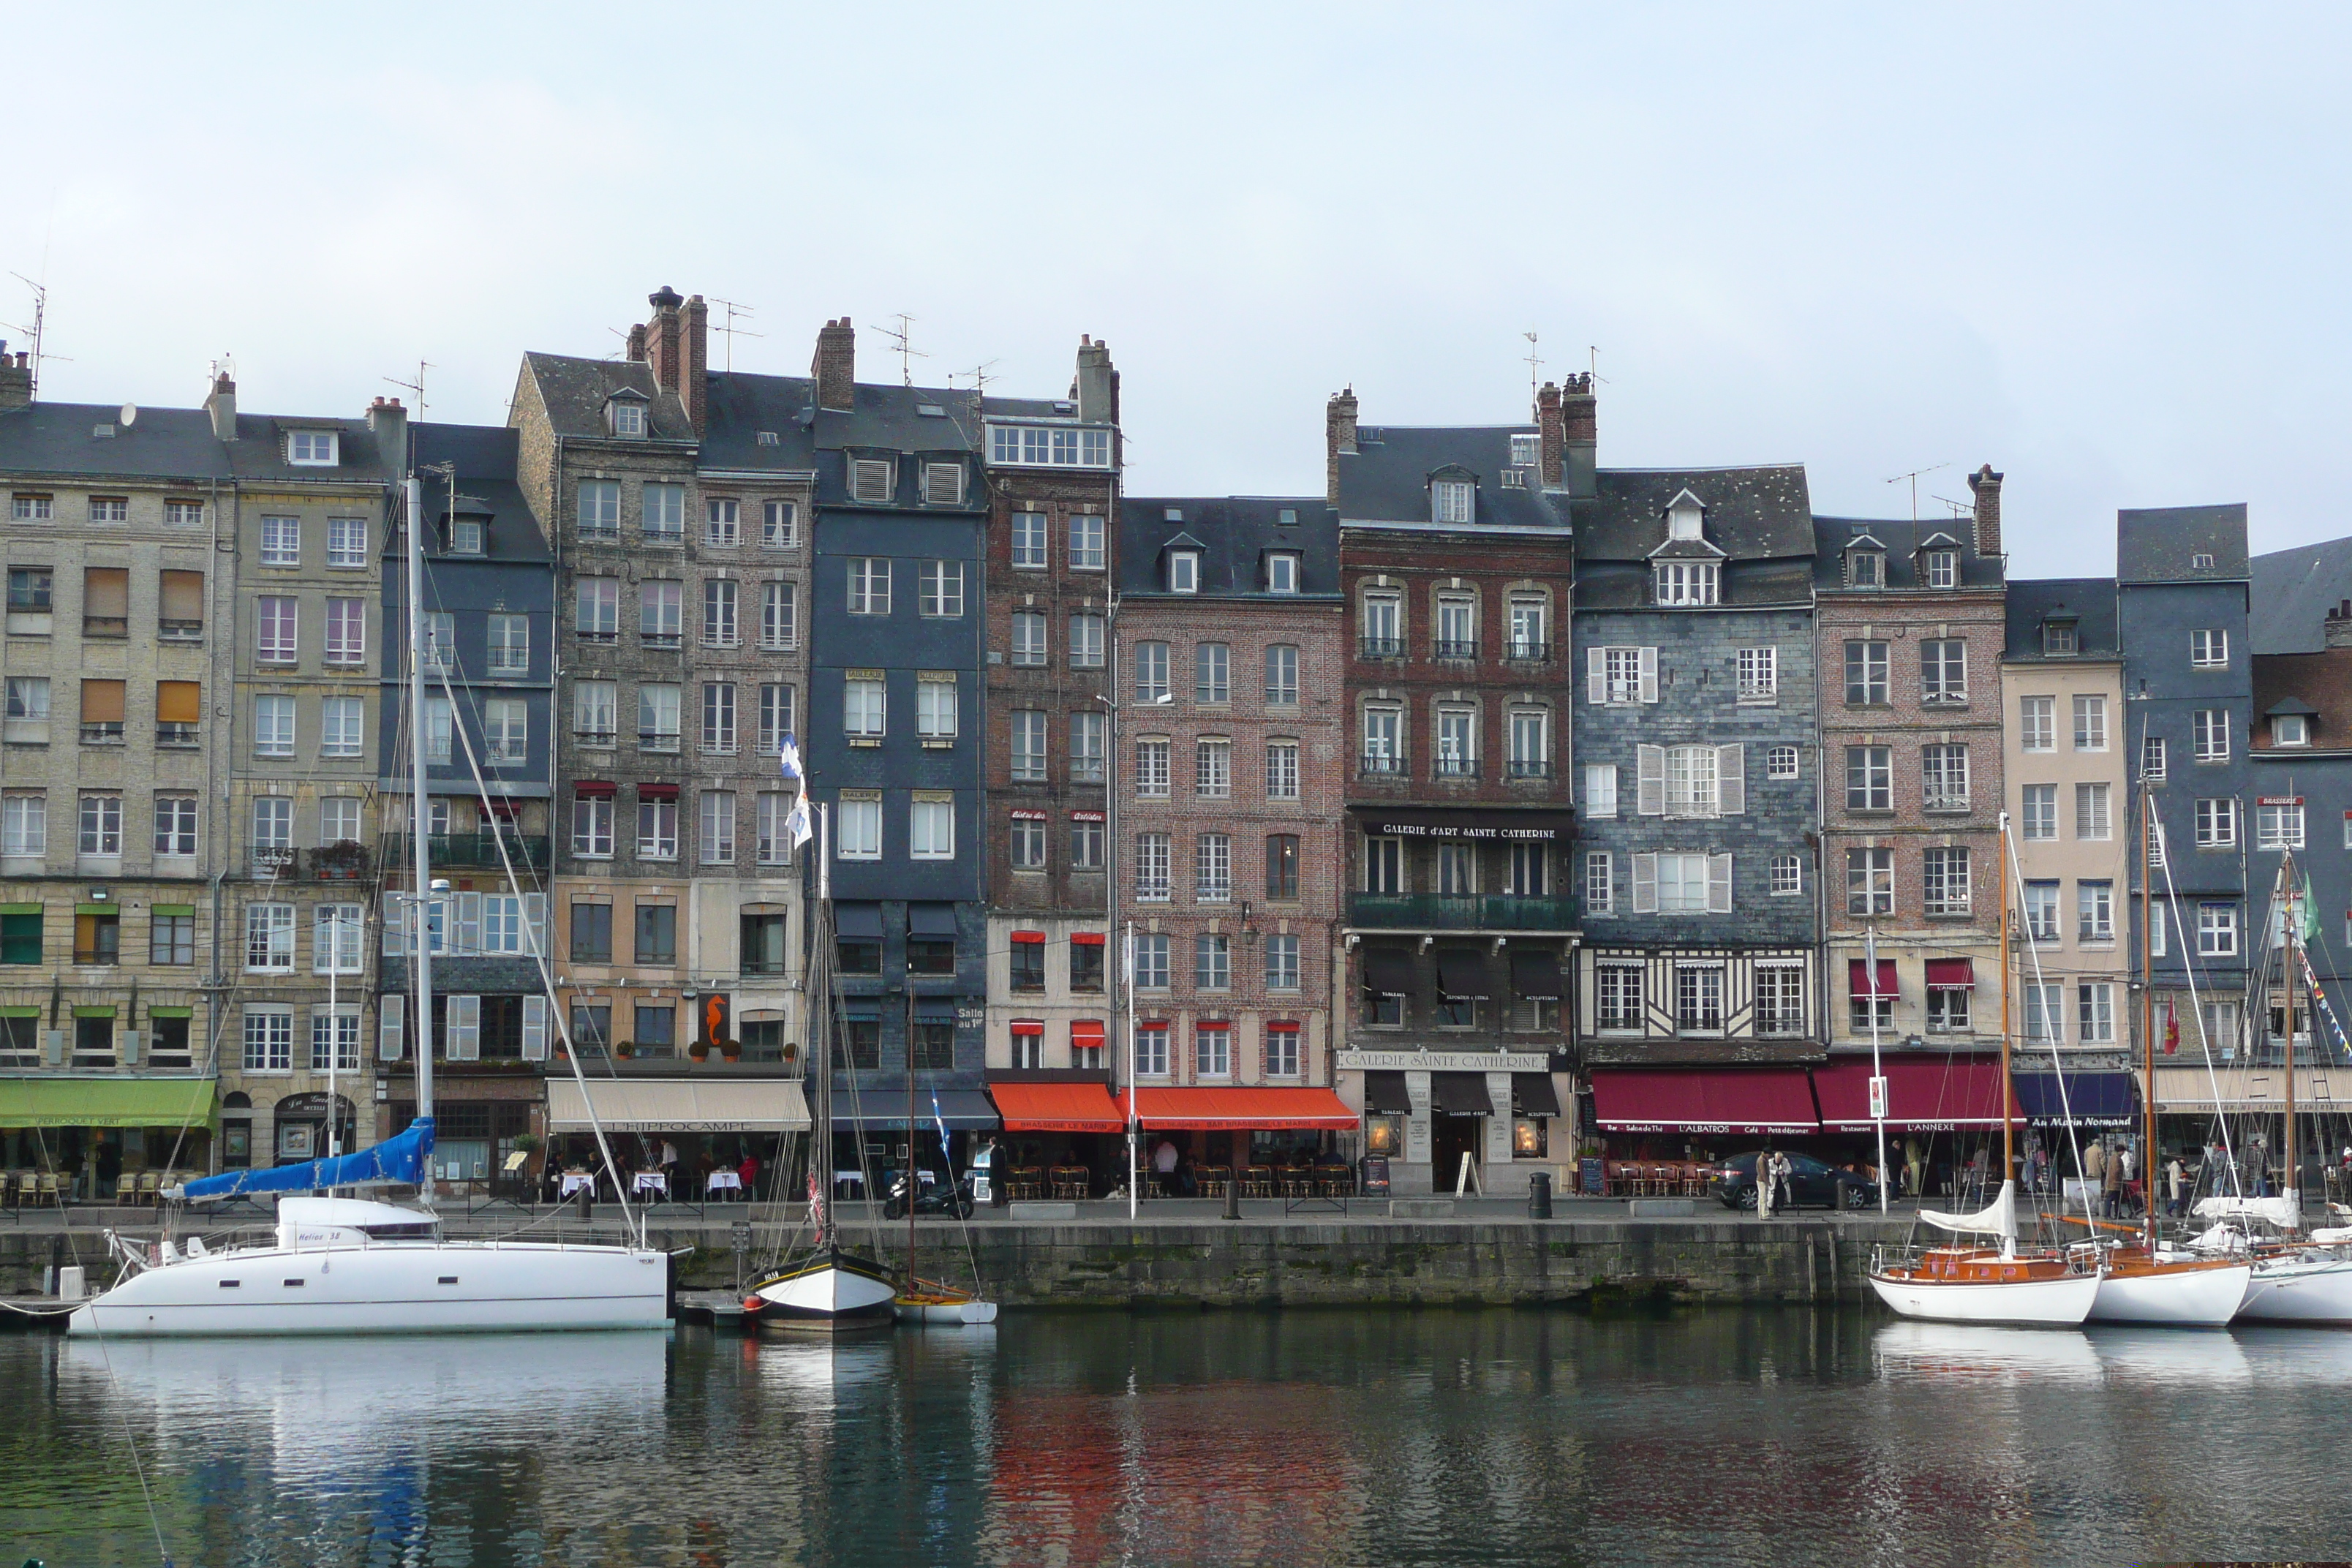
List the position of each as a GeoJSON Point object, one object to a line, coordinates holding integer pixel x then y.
{"type": "Point", "coordinates": [1445, 1061]}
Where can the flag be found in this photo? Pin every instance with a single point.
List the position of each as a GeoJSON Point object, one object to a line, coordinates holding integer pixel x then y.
{"type": "Point", "coordinates": [790, 756]}
{"type": "Point", "coordinates": [941, 1124]}
{"type": "Point", "coordinates": [796, 822]}
{"type": "Point", "coordinates": [2171, 1028]}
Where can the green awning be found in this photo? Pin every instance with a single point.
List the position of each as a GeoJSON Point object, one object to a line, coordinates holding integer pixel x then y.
{"type": "Point", "coordinates": [106, 1102]}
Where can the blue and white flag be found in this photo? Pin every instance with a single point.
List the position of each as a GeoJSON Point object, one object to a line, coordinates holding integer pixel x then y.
{"type": "Point", "coordinates": [940, 1121]}
{"type": "Point", "coordinates": [791, 757]}
{"type": "Point", "coordinates": [796, 822]}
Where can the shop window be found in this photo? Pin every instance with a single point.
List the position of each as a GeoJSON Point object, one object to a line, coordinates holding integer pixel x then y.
{"type": "Point", "coordinates": [1531, 1137]}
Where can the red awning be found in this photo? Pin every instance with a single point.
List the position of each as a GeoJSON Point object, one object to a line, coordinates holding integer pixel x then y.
{"type": "Point", "coordinates": [1086, 1032]}
{"type": "Point", "coordinates": [592, 789]}
{"type": "Point", "coordinates": [657, 792]}
{"type": "Point", "coordinates": [1086, 938]}
{"type": "Point", "coordinates": [1028, 936]}
{"type": "Point", "coordinates": [1056, 1108]}
{"type": "Point", "coordinates": [1956, 973]}
{"type": "Point", "coordinates": [1665, 1100]}
{"type": "Point", "coordinates": [1857, 977]}
{"type": "Point", "coordinates": [1224, 1110]}
{"type": "Point", "coordinates": [1924, 1094]}
{"type": "Point", "coordinates": [1028, 1025]}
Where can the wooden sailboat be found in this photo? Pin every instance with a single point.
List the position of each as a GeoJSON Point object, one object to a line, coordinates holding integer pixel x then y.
{"type": "Point", "coordinates": [921, 1300]}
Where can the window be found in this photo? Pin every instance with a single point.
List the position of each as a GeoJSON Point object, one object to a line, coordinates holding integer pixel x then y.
{"type": "Point", "coordinates": [268, 1039]}
{"type": "Point", "coordinates": [595, 721]}
{"type": "Point", "coordinates": [600, 507]}
{"type": "Point", "coordinates": [1948, 1009]}
{"type": "Point", "coordinates": [1451, 501]}
{"type": "Point", "coordinates": [1029, 637]}
{"type": "Point", "coordinates": [865, 707]}
{"type": "Point", "coordinates": [1213, 867]}
{"type": "Point", "coordinates": [1945, 879]}
{"type": "Point", "coordinates": [1780, 999]}
{"type": "Point", "coordinates": [1530, 628]}
{"type": "Point", "coordinates": [861, 825]}
{"type": "Point", "coordinates": [273, 726]}
{"type": "Point", "coordinates": [2151, 757]}
{"type": "Point", "coordinates": [2217, 930]}
{"type": "Point", "coordinates": [656, 826]}
{"type": "Point", "coordinates": [1027, 837]}
{"type": "Point", "coordinates": [335, 934]}
{"type": "Point", "coordinates": [28, 697]}
{"type": "Point", "coordinates": [2217, 823]}
{"type": "Point", "coordinates": [24, 824]}
{"type": "Point", "coordinates": [1384, 864]}
{"type": "Point", "coordinates": [346, 536]}
{"type": "Point", "coordinates": [2040, 814]}
{"type": "Point", "coordinates": [1151, 780]}
{"type": "Point", "coordinates": [940, 590]}
{"type": "Point", "coordinates": [2093, 820]}
{"type": "Point", "coordinates": [721, 624]}
{"type": "Point", "coordinates": [1282, 973]}
{"type": "Point", "coordinates": [1866, 673]}
{"type": "Point", "coordinates": [930, 834]}
{"type": "Point", "coordinates": [1685, 884]}
{"type": "Point", "coordinates": [2278, 827]}
{"type": "Point", "coordinates": [270, 937]}
{"type": "Point", "coordinates": [1457, 627]}
{"type": "Point", "coordinates": [33, 509]}
{"type": "Point", "coordinates": [2042, 911]}
{"type": "Point", "coordinates": [718, 718]}
{"type": "Point", "coordinates": [935, 706]}
{"type": "Point", "coordinates": [176, 825]}
{"type": "Point", "coordinates": [779, 616]}
{"type": "Point", "coordinates": [506, 730]}
{"type": "Point", "coordinates": [869, 586]}
{"type": "Point", "coordinates": [1698, 998]}
{"type": "Point", "coordinates": [1383, 738]}
{"type": "Point", "coordinates": [1942, 568]}
{"type": "Point", "coordinates": [1870, 778]}
{"type": "Point", "coordinates": [1281, 573]}
{"type": "Point", "coordinates": [281, 541]}
{"type": "Point", "coordinates": [2209, 649]}
{"type": "Point", "coordinates": [872, 479]}
{"type": "Point", "coordinates": [1601, 789]}
{"type": "Point", "coordinates": [2095, 1013]}
{"type": "Point", "coordinates": [98, 939]}
{"type": "Point", "coordinates": [656, 934]}
{"type": "Point", "coordinates": [1184, 571]}
{"type": "Point", "coordinates": [1944, 670]}
{"type": "Point", "coordinates": [1087, 542]}
{"type": "Point", "coordinates": [1600, 884]}
{"type": "Point", "coordinates": [722, 522]}
{"type": "Point", "coordinates": [1151, 1048]}
{"type": "Point", "coordinates": [661, 612]}
{"type": "Point", "coordinates": [592, 826]}
{"type": "Point", "coordinates": [335, 1039]}
{"type": "Point", "coordinates": [1457, 870]}
{"type": "Point", "coordinates": [1151, 672]}
{"type": "Point", "coordinates": [1281, 675]}
{"type": "Point", "coordinates": [942, 483]}
{"type": "Point", "coordinates": [2045, 1016]}
{"type": "Point", "coordinates": [273, 825]}
{"type": "Point", "coordinates": [1087, 841]}
{"type": "Point", "coordinates": [1212, 1051]}
{"type": "Point", "coordinates": [171, 936]}
{"type": "Point", "coordinates": [1780, 761]}
{"type": "Point", "coordinates": [657, 718]}
{"type": "Point", "coordinates": [1788, 875]}
{"type": "Point", "coordinates": [1151, 871]}
{"type": "Point", "coordinates": [1086, 641]}
{"type": "Point", "coordinates": [1151, 961]}
{"type": "Point", "coordinates": [466, 536]}
{"type": "Point", "coordinates": [1029, 745]}
{"type": "Point", "coordinates": [277, 623]}
{"type": "Point", "coordinates": [339, 819]}
{"type": "Point", "coordinates": [2095, 912]}
{"type": "Point", "coordinates": [2090, 722]}
{"type": "Point", "coordinates": [596, 609]}
{"type": "Point", "coordinates": [2213, 735]}
{"type": "Point", "coordinates": [20, 937]}
{"type": "Point", "coordinates": [1530, 755]}
{"type": "Point", "coordinates": [1212, 769]}
{"type": "Point", "coordinates": [772, 820]}
{"type": "Point", "coordinates": [1686, 582]}
{"type": "Point", "coordinates": [1029, 541]}
{"type": "Point", "coordinates": [1282, 770]}
{"type": "Point", "coordinates": [779, 524]}
{"type": "Point", "coordinates": [1212, 962]}
{"type": "Point", "coordinates": [1618, 1001]}
{"type": "Point", "coordinates": [1458, 743]}
{"type": "Point", "coordinates": [2290, 730]}
{"type": "Point", "coordinates": [1527, 871]}
{"type": "Point", "coordinates": [29, 589]}
{"type": "Point", "coordinates": [1870, 881]}
{"type": "Point", "coordinates": [1382, 622]}
{"type": "Point", "coordinates": [2038, 724]}
{"type": "Point", "coordinates": [1759, 674]}
{"type": "Point", "coordinates": [1866, 569]}
{"type": "Point", "coordinates": [1282, 861]}
{"type": "Point", "coordinates": [103, 712]}
{"type": "Point", "coordinates": [2059, 639]}
{"type": "Point", "coordinates": [665, 511]}
{"type": "Point", "coordinates": [1944, 777]}
{"type": "Point", "coordinates": [1213, 673]}
{"type": "Point", "coordinates": [715, 816]}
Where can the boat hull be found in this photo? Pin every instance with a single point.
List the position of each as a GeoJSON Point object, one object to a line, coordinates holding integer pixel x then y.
{"type": "Point", "coordinates": [2064, 1301]}
{"type": "Point", "coordinates": [839, 1290]}
{"type": "Point", "coordinates": [387, 1287]}
{"type": "Point", "coordinates": [965, 1312]}
{"type": "Point", "coordinates": [2300, 1290]}
{"type": "Point", "coordinates": [2194, 1295]}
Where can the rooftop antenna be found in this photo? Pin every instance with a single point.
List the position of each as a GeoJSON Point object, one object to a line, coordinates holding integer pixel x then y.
{"type": "Point", "coordinates": [1913, 477]}
{"type": "Point", "coordinates": [32, 329]}
{"type": "Point", "coordinates": [1960, 508]}
{"type": "Point", "coordinates": [902, 335]}
{"type": "Point", "coordinates": [1534, 365]}
{"type": "Point", "coordinates": [416, 386]}
{"type": "Point", "coordinates": [731, 329]}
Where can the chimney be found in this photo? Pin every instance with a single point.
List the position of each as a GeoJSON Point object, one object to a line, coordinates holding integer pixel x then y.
{"type": "Point", "coordinates": [222, 407]}
{"type": "Point", "coordinates": [15, 380]}
{"type": "Point", "coordinates": [2337, 627]}
{"type": "Point", "coordinates": [1339, 436]}
{"type": "Point", "coordinates": [835, 366]}
{"type": "Point", "coordinates": [1097, 383]}
{"type": "Point", "coordinates": [637, 355]}
{"type": "Point", "coordinates": [695, 386]}
{"type": "Point", "coordinates": [1579, 434]}
{"type": "Point", "coordinates": [1552, 438]}
{"type": "Point", "coordinates": [389, 422]}
{"type": "Point", "coordinates": [661, 336]}
{"type": "Point", "coordinates": [1987, 486]}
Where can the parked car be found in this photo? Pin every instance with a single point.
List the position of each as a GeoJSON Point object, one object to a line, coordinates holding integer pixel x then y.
{"type": "Point", "coordinates": [1813, 1183]}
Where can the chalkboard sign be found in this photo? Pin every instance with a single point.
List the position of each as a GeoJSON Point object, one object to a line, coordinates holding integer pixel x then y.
{"type": "Point", "coordinates": [1376, 1176]}
{"type": "Point", "coordinates": [1590, 1179]}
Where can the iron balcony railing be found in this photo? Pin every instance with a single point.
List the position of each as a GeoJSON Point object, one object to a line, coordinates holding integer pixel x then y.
{"type": "Point", "coordinates": [1477, 911]}
{"type": "Point", "coordinates": [1380, 648]}
{"type": "Point", "coordinates": [472, 849]}
{"type": "Point", "coordinates": [1453, 647]}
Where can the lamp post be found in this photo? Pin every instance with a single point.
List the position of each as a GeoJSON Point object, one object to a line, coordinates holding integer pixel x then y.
{"type": "Point", "coordinates": [1123, 988]}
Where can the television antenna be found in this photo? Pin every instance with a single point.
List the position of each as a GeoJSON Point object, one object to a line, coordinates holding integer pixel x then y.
{"type": "Point", "coordinates": [33, 330]}
{"type": "Point", "coordinates": [1592, 365]}
{"type": "Point", "coordinates": [416, 386]}
{"type": "Point", "coordinates": [903, 336]}
{"type": "Point", "coordinates": [731, 330]}
{"type": "Point", "coordinates": [1913, 477]}
{"type": "Point", "coordinates": [1534, 365]}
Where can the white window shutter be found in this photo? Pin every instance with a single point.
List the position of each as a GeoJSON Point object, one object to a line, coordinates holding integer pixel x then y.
{"type": "Point", "coordinates": [534, 1028]}
{"type": "Point", "coordinates": [534, 919]}
{"type": "Point", "coordinates": [1596, 676]}
{"type": "Point", "coordinates": [469, 923]}
{"type": "Point", "coordinates": [391, 1029]}
{"type": "Point", "coordinates": [1718, 884]}
{"type": "Point", "coordinates": [462, 1029]}
{"type": "Point", "coordinates": [395, 926]}
{"type": "Point", "coordinates": [1650, 781]}
{"type": "Point", "coordinates": [1648, 674]}
{"type": "Point", "coordinates": [1731, 781]}
{"type": "Point", "coordinates": [1645, 884]}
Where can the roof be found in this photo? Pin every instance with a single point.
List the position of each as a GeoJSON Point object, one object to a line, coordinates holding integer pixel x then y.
{"type": "Point", "coordinates": [2319, 684]}
{"type": "Point", "coordinates": [1233, 534]}
{"type": "Point", "coordinates": [1903, 540]}
{"type": "Point", "coordinates": [738, 407]}
{"type": "Point", "coordinates": [176, 444]}
{"type": "Point", "coordinates": [2294, 590]}
{"type": "Point", "coordinates": [2089, 601]}
{"type": "Point", "coordinates": [1386, 477]}
{"type": "Point", "coordinates": [485, 458]}
{"type": "Point", "coordinates": [1752, 514]}
{"type": "Point", "coordinates": [2161, 544]}
{"type": "Point", "coordinates": [574, 391]}
{"type": "Point", "coordinates": [892, 417]}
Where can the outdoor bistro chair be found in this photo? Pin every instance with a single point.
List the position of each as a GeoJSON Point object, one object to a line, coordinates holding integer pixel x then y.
{"type": "Point", "coordinates": [1212, 1179]}
{"type": "Point", "coordinates": [1298, 1182]}
{"type": "Point", "coordinates": [1694, 1180]}
{"type": "Point", "coordinates": [1072, 1181]}
{"type": "Point", "coordinates": [47, 1192]}
{"type": "Point", "coordinates": [126, 1189]}
{"type": "Point", "coordinates": [1334, 1181]}
{"type": "Point", "coordinates": [1666, 1180]}
{"type": "Point", "coordinates": [150, 1183]}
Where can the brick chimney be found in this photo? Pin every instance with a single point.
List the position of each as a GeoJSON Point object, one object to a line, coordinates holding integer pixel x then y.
{"type": "Point", "coordinates": [16, 378]}
{"type": "Point", "coordinates": [1339, 436]}
{"type": "Point", "coordinates": [1551, 437]}
{"type": "Point", "coordinates": [1097, 392]}
{"type": "Point", "coordinates": [835, 366]}
{"type": "Point", "coordinates": [1986, 484]}
{"type": "Point", "coordinates": [222, 407]}
{"type": "Point", "coordinates": [2337, 627]}
{"type": "Point", "coordinates": [389, 422]}
{"type": "Point", "coordinates": [694, 383]}
{"type": "Point", "coordinates": [662, 349]}
{"type": "Point", "coordinates": [637, 355]}
{"type": "Point", "coordinates": [1579, 431]}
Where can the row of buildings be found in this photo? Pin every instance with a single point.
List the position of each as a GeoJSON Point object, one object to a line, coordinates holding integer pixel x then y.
{"type": "Point", "coordinates": [1490, 808]}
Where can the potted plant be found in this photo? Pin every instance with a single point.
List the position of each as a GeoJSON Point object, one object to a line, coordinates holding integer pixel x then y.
{"type": "Point", "coordinates": [732, 1049]}
{"type": "Point", "coordinates": [625, 1048]}
{"type": "Point", "coordinates": [342, 861]}
{"type": "Point", "coordinates": [700, 1050]}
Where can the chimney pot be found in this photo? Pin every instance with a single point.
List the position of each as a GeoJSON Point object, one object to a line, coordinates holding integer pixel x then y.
{"type": "Point", "coordinates": [1551, 440]}
{"type": "Point", "coordinates": [1095, 389]}
{"type": "Point", "coordinates": [834, 368]}
{"type": "Point", "coordinates": [1579, 431]}
{"type": "Point", "coordinates": [695, 388]}
{"type": "Point", "coordinates": [1985, 485]}
{"type": "Point", "coordinates": [663, 347]}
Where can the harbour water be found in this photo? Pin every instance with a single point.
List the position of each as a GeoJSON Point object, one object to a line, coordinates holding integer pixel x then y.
{"type": "Point", "coordinates": [1492, 1436]}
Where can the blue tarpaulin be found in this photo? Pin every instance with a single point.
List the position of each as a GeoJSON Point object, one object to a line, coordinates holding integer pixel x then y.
{"type": "Point", "coordinates": [2092, 1099]}
{"type": "Point", "coordinates": [399, 1159]}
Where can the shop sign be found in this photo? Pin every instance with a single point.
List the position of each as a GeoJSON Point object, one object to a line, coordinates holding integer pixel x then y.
{"type": "Point", "coordinates": [972, 1018]}
{"type": "Point", "coordinates": [1442, 1061]}
{"type": "Point", "coordinates": [2283, 800]}
{"type": "Point", "coordinates": [1083, 815]}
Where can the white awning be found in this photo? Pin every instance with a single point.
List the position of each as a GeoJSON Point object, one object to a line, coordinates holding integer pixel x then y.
{"type": "Point", "coordinates": [679, 1105]}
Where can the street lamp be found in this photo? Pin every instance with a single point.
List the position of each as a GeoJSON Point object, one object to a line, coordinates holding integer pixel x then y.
{"type": "Point", "coordinates": [1125, 986]}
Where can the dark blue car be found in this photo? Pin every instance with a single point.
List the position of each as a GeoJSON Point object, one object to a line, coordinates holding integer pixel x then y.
{"type": "Point", "coordinates": [1811, 1184]}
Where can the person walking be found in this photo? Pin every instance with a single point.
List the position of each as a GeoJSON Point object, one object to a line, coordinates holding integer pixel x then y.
{"type": "Point", "coordinates": [2111, 1185]}
{"type": "Point", "coordinates": [2095, 1169]}
{"type": "Point", "coordinates": [1764, 1183]}
{"type": "Point", "coordinates": [2128, 1156]}
{"type": "Point", "coordinates": [2176, 1177]}
{"type": "Point", "coordinates": [2258, 1166]}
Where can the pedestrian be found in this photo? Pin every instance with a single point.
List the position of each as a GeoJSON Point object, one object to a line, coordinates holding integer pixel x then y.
{"type": "Point", "coordinates": [2129, 1156]}
{"type": "Point", "coordinates": [2217, 1166]}
{"type": "Point", "coordinates": [2095, 1169]}
{"type": "Point", "coordinates": [2258, 1166]}
{"type": "Point", "coordinates": [2177, 1180]}
{"type": "Point", "coordinates": [983, 1162]}
{"type": "Point", "coordinates": [2111, 1186]}
{"type": "Point", "coordinates": [1765, 1187]}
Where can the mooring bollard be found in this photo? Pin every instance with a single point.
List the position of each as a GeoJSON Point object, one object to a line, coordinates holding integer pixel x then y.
{"type": "Point", "coordinates": [1234, 1197]}
{"type": "Point", "coordinates": [1538, 1196]}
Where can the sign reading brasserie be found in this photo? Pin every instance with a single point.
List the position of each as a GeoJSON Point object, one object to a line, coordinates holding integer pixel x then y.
{"type": "Point", "coordinates": [1444, 1062]}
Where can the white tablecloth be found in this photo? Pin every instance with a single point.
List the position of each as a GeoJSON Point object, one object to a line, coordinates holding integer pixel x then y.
{"type": "Point", "coordinates": [650, 1182]}
{"type": "Point", "coordinates": [723, 1180]}
{"type": "Point", "coordinates": [575, 1180]}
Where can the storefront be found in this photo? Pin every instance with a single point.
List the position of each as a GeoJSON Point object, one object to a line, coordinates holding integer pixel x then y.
{"type": "Point", "coordinates": [1067, 1121]}
{"type": "Point", "coordinates": [966, 1114]}
{"type": "Point", "coordinates": [1941, 1110]}
{"type": "Point", "coordinates": [1238, 1127]}
{"type": "Point", "coordinates": [1703, 1114]}
{"type": "Point", "coordinates": [686, 1128]}
{"type": "Point", "coordinates": [91, 1132]}
{"type": "Point", "coordinates": [1473, 1121]}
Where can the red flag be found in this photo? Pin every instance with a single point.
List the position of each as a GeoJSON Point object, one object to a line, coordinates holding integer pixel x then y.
{"type": "Point", "coordinates": [2171, 1029]}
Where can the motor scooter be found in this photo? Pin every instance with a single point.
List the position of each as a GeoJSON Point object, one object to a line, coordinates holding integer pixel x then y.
{"type": "Point", "coordinates": [934, 1198]}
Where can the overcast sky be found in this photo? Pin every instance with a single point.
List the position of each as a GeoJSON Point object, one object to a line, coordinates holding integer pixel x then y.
{"type": "Point", "coordinates": [2102, 248]}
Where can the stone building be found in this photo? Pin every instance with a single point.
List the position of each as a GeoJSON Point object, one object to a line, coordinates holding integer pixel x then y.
{"type": "Point", "coordinates": [1458, 563]}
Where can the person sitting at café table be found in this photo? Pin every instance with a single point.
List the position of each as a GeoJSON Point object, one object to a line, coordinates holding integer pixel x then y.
{"type": "Point", "coordinates": [749, 1172]}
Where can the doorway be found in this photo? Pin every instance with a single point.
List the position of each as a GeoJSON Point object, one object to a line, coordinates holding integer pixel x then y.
{"type": "Point", "coordinates": [1450, 1137]}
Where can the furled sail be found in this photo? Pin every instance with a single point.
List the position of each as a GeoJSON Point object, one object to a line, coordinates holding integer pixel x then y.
{"type": "Point", "coordinates": [397, 1160]}
{"type": "Point", "coordinates": [1996, 1218]}
{"type": "Point", "coordinates": [2285, 1211]}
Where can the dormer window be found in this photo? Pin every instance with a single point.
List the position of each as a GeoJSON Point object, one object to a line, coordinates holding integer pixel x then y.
{"type": "Point", "coordinates": [466, 536]}
{"type": "Point", "coordinates": [942, 484]}
{"type": "Point", "coordinates": [1527, 451]}
{"type": "Point", "coordinates": [870, 478]}
{"type": "Point", "coordinates": [1941, 568]}
{"type": "Point", "coordinates": [1688, 581]}
{"type": "Point", "coordinates": [628, 420]}
{"type": "Point", "coordinates": [311, 448]}
{"type": "Point", "coordinates": [2201, 562]}
{"type": "Point", "coordinates": [1453, 500]}
{"type": "Point", "coordinates": [1686, 518]}
{"type": "Point", "coordinates": [1281, 573]}
{"type": "Point", "coordinates": [2059, 639]}
{"type": "Point", "coordinates": [1184, 571]}
{"type": "Point", "coordinates": [1866, 569]}
{"type": "Point", "coordinates": [2290, 730]}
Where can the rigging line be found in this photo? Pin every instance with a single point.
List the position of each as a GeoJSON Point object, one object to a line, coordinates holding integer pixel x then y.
{"type": "Point", "coordinates": [2196, 1007]}
{"type": "Point", "coordinates": [2049, 1034]}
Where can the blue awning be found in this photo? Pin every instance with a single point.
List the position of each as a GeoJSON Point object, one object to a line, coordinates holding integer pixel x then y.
{"type": "Point", "coordinates": [2092, 1099]}
{"type": "Point", "coordinates": [885, 1109]}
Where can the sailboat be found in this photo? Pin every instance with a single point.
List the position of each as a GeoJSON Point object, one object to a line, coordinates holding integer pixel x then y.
{"type": "Point", "coordinates": [1963, 1282]}
{"type": "Point", "coordinates": [337, 1265]}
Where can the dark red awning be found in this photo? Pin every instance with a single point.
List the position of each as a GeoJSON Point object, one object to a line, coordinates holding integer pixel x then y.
{"type": "Point", "coordinates": [1924, 1094]}
{"type": "Point", "coordinates": [1662, 1099]}
{"type": "Point", "coordinates": [657, 792]}
{"type": "Point", "coordinates": [1951, 972]}
{"type": "Point", "coordinates": [592, 789]}
{"type": "Point", "coordinates": [1857, 978]}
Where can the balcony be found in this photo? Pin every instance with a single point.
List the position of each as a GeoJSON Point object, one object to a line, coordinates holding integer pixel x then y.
{"type": "Point", "coordinates": [1528, 652]}
{"type": "Point", "coordinates": [1374, 764]}
{"type": "Point", "coordinates": [596, 737]}
{"type": "Point", "coordinates": [104, 733]}
{"type": "Point", "coordinates": [657, 740]}
{"type": "Point", "coordinates": [1477, 911]}
{"type": "Point", "coordinates": [660, 639]}
{"type": "Point", "coordinates": [1379, 647]}
{"type": "Point", "coordinates": [1453, 647]}
{"type": "Point", "coordinates": [473, 849]}
{"type": "Point", "coordinates": [1519, 768]}
{"type": "Point", "coordinates": [1455, 768]}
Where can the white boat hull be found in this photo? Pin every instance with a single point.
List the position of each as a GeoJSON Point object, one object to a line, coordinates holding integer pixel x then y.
{"type": "Point", "coordinates": [945, 1311]}
{"type": "Point", "coordinates": [826, 1294]}
{"type": "Point", "coordinates": [387, 1287]}
{"type": "Point", "coordinates": [2184, 1297]}
{"type": "Point", "coordinates": [2063, 1303]}
{"type": "Point", "coordinates": [2300, 1290]}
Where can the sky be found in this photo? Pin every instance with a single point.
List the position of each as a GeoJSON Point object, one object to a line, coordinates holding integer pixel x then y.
{"type": "Point", "coordinates": [2098, 247]}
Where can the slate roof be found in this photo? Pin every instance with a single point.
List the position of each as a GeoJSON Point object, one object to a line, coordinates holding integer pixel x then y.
{"type": "Point", "coordinates": [2294, 590]}
{"type": "Point", "coordinates": [738, 407]}
{"type": "Point", "coordinates": [1233, 533]}
{"type": "Point", "coordinates": [1386, 478]}
{"type": "Point", "coordinates": [574, 391]}
{"type": "Point", "coordinates": [1752, 514]}
{"type": "Point", "coordinates": [891, 417]}
{"type": "Point", "coordinates": [1902, 540]}
{"type": "Point", "coordinates": [2091, 601]}
{"type": "Point", "coordinates": [486, 460]}
{"type": "Point", "coordinates": [174, 442]}
{"type": "Point", "coordinates": [2321, 682]}
{"type": "Point", "coordinates": [2160, 544]}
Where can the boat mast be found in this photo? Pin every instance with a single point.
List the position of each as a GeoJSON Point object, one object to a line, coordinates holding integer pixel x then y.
{"type": "Point", "coordinates": [421, 975]}
{"type": "Point", "coordinates": [2148, 918]}
{"type": "Point", "coordinates": [2293, 952]}
{"type": "Point", "coordinates": [2008, 1091]}
{"type": "Point", "coordinates": [821, 1030]}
